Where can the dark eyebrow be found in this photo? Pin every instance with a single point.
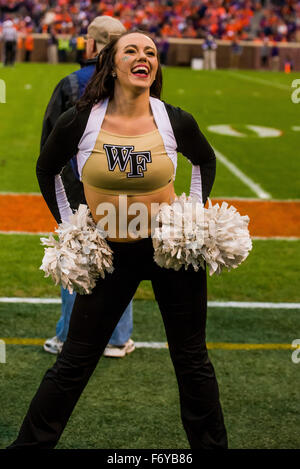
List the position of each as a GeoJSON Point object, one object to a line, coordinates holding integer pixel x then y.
{"type": "Point", "coordinates": [133, 45]}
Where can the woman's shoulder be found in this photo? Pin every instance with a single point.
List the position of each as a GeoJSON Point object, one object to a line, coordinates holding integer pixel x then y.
{"type": "Point", "coordinates": [73, 117]}
{"type": "Point", "coordinates": [179, 117]}
{"type": "Point", "coordinates": [177, 112]}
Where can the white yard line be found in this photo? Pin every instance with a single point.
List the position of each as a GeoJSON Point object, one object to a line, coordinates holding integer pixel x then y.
{"type": "Point", "coordinates": [212, 304]}
{"type": "Point", "coordinates": [260, 81]}
{"type": "Point", "coordinates": [242, 176]}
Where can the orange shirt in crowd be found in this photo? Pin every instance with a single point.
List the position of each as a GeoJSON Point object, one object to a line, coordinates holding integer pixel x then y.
{"type": "Point", "coordinates": [20, 43]}
{"type": "Point", "coordinates": [28, 43]}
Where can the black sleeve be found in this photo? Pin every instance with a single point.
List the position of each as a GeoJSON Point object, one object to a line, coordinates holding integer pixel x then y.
{"type": "Point", "coordinates": [59, 148]}
{"type": "Point", "coordinates": [193, 145]}
{"type": "Point", "coordinates": [62, 99]}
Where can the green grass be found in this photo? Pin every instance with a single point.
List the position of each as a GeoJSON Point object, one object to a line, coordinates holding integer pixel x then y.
{"type": "Point", "coordinates": [262, 159]}
{"type": "Point", "coordinates": [268, 274]}
{"type": "Point", "coordinates": [133, 403]}
{"type": "Point", "coordinates": [241, 102]}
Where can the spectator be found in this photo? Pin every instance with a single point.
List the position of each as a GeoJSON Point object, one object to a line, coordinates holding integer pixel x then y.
{"type": "Point", "coordinates": [20, 47]}
{"type": "Point", "coordinates": [264, 53]}
{"type": "Point", "coordinates": [162, 45]}
{"type": "Point", "coordinates": [9, 35]}
{"type": "Point", "coordinates": [80, 49]}
{"type": "Point", "coordinates": [236, 51]}
{"type": "Point", "coordinates": [63, 47]}
{"type": "Point", "coordinates": [275, 57]}
{"type": "Point", "coordinates": [52, 47]}
{"type": "Point", "coordinates": [28, 45]}
{"type": "Point", "coordinates": [209, 52]}
{"type": "Point", "coordinates": [176, 18]}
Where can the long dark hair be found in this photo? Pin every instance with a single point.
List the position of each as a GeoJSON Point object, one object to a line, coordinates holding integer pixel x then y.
{"type": "Point", "coordinates": [102, 83]}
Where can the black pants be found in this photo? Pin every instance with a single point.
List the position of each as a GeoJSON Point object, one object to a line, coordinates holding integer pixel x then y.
{"type": "Point", "coordinates": [181, 296]}
{"type": "Point", "coordinates": [10, 52]}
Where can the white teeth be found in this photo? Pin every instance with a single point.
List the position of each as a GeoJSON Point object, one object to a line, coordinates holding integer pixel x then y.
{"type": "Point", "coordinates": [142, 69]}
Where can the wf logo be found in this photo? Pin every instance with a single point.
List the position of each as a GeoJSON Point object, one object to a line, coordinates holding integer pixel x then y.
{"type": "Point", "coordinates": [2, 91]}
{"type": "Point", "coordinates": [120, 155]}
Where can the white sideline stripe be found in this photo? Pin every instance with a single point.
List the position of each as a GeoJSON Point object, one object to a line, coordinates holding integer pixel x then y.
{"type": "Point", "coordinates": [31, 300]}
{"type": "Point", "coordinates": [158, 345]}
{"type": "Point", "coordinates": [260, 80]}
{"type": "Point", "coordinates": [252, 304]}
{"type": "Point", "coordinates": [240, 175]}
{"type": "Point", "coordinates": [212, 304]}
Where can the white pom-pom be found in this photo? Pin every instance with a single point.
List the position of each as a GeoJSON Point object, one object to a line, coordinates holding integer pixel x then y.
{"type": "Point", "coordinates": [178, 239]}
{"type": "Point", "coordinates": [79, 256]}
{"type": "Point", "coordinates": [227, 239]}
{"type": "Point", "coordinates": [189, 234]}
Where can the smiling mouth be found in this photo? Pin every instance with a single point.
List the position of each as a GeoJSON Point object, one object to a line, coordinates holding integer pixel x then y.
{"type": "Point", "coordinates": [141, 71]}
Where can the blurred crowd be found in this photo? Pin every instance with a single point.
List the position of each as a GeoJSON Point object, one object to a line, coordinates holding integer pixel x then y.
{"type": "Point", "coordinates": [279, 20]}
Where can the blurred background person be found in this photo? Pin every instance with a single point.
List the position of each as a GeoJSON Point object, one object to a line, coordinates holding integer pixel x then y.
{"type": "Point", "coordinates": [209, 48]}
{"type": "Point", "coordinates": [28, 46]}
{"type": "Point", "coordinates": [236, 51]}
{"type": "Point", "coordinates": [52, 46]}
{"type": "Point", "coordinates": [275, 65]}
{"type": "Point", "coordinates": [63, 47]}
{"type": "Point", "coordinates": [265, 53]}
{"type": "Point", "coordinates": [65, 95]}
{"type": "Point", "coordinates": [9, 37]}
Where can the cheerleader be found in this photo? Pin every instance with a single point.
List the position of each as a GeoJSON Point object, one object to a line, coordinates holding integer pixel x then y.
{"type": "Point", "coordinates": [126, 141]}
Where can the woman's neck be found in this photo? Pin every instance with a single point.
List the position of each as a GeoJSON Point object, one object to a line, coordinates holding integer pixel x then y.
{"type": "Point", "coordinates": [130, 105]}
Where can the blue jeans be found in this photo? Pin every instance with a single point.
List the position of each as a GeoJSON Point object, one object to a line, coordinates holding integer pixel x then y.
{"type": "Point", "coordinates": [119, 336]}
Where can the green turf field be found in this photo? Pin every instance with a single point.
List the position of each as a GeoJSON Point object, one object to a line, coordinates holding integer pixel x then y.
{"type": "Point", "coordinates": [133, 403]}
{"type": "Point", "coordinates": [220, 97]}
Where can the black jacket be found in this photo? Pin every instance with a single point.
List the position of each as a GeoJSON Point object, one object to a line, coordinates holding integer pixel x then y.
{"type": "Point", "coordinates": [65, 95]}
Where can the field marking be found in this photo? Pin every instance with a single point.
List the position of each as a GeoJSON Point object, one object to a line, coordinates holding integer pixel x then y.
{"type": "Point", "coordinates": [252, 305]}
{"type": "Point", "coordinates": [211, 304]}
{"type": "Point", "coordinates": [256, 188]}
{"type": "Point", "coordinates": [164, 345]}
{"type": "Point", "coordinates": [260, 81]}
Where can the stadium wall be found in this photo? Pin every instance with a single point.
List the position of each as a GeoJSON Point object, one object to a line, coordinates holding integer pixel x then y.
{"type": "Point", "coordinates": [182, 51]}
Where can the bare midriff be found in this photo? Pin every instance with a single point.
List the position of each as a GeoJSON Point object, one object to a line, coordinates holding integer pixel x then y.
{"type": "Point", "coordinates": [150, 203]}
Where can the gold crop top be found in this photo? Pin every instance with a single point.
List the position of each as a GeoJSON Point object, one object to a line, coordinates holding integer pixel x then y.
{"type": "Point", "coordinates": [120, 164]}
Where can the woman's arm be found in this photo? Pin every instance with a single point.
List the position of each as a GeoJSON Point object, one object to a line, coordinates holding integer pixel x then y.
{"type": "Point", "coordinates": [193, 145]}
{"type": "Point", "coordinates": [60, 147]}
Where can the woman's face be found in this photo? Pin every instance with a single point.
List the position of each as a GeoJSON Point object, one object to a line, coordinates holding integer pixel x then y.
{"type": "Point", "coordinates": [136, 62]}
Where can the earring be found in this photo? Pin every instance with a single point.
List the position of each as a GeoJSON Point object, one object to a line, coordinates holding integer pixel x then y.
{"type": "Point", "coordinates": [113, 74]}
